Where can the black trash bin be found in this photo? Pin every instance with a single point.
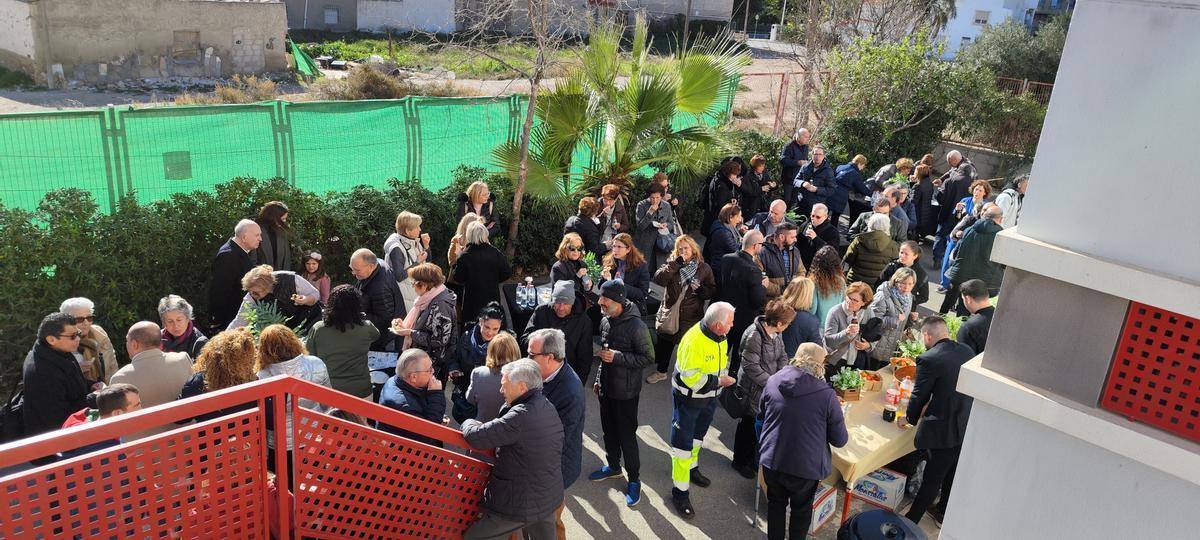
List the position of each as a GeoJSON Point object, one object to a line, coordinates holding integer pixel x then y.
{"type": "Point", "coordinates": [880, 525]}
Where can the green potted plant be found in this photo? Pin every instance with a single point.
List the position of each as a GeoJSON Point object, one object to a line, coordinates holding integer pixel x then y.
{"type": "Point", "coordinates": [848, 383]}
{"type": "Point", "coordinates": [953, 323]}
{"type": "Point", "coordinates": [593, 267]}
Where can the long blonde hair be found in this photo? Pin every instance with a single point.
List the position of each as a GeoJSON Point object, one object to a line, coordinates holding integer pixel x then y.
{"type": "Point", "coordinates": [799, 293]}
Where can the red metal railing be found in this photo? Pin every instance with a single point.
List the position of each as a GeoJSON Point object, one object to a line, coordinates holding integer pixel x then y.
{"type": "Point", "coordinates": [209, 479]}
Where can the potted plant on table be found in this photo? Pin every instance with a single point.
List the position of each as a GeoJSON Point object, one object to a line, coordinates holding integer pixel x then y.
{"type": "Point", "coordinates": [848, 383]}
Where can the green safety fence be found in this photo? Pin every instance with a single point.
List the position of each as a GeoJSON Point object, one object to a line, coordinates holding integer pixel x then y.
{"type": "Point", "coordinates": [317, 146]}
{"type": "Point", "coordinates": [304, 63]}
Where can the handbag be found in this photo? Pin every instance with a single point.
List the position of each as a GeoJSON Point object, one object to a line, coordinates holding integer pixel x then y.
{"type": "Point", "coordinates": [12, 421]}
{"type": "Point", "coordinates": [666, 321]}
{"type": "Point", "coordinates": [461, 410]}
{"type": "Point", "coordinates": [665, 242]}
{"type": "Point", "coordinates": [736, 402]}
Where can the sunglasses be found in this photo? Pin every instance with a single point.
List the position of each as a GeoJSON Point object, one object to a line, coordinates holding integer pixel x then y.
{"type": "Point", "coordinates": [89, 318]}
{"type": "Point", "coordinates": [76, 335]}
{"type": "Point", "coordinates": [574, 249]}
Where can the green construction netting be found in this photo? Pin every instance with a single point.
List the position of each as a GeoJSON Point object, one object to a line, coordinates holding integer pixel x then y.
{"type": "Point", "coordinates": [304, 63]}
{"type": "Point", "coordinates": [318, 146]}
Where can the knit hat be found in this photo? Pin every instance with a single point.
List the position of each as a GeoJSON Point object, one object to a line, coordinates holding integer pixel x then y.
{"type": "Point", "coordinates": [563, 292]}
{"type": "Point", "coordinates": [613, 290]}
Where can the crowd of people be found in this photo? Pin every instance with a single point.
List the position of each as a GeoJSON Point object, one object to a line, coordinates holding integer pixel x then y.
{"type": "Point", "coordinates": [797, 276]}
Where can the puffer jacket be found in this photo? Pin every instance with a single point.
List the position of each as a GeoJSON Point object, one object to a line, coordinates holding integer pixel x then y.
{"type": "Point", "coordinates": [801, 419]}
{"type": "Point", "coordinates": [487, 212]}
{"type": "Point", "coordinates": [526, 482]}
{"type": "Point", "coordinates": [305, 367]}
{"type": "Point", "coordinates": [762, 356]}
{"type": "Point", "coordinates": [869, 254]}
{"type": "Point", "coordinates": [381, 302]}
{"type": "Point", "coordinates": [973, 259]}
{"type": "Point", "coordinates": [435, 331]}
{"type": "Point", "coordinates": [691, 310]}
{"type": "Point", "coordinates": [630, 338]}
{"type": "Point", "coordinates": [895, 319]}
{"type": "Point", "coordinates": [849, 179]}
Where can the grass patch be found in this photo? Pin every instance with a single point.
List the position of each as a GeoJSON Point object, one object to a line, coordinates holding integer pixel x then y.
{"type": "Point", "coordinates": [743, 87]}
{"type": "Point", "coordinates": [249, 89]}
{"type": "Point", "coordinates": [744, 111]}
{"type": "Point", "coordinates": [366, 82]}
{"type": "Point", "coordinates": [14, 79]}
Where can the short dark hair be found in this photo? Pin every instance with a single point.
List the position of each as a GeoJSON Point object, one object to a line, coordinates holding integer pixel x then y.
{"type": "Point", "coordinates": [113, 397]}
{"type": "Point", "coordinates": [654, 188]}
{"type": "Point", "coordinates": [53, 324]}
{"type": "Point", "coordinates": [786, 226]}
{"type": "Point", "coordinates": [974, 289]}
{"type": "Point", "coordinates": [934, 322]}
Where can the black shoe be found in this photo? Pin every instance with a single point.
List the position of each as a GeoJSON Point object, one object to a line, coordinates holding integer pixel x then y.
{"type": "Point", "coordinates": [699, 479]}
{"type": "Point", "coordinates": [747, 471]}
{"type": "Point", "coordinates": [684, 507]}
{"type": "Point", "coordinates": [938, 515]}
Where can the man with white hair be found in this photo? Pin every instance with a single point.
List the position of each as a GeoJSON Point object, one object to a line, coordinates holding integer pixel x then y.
{"type": "Point", "coordinates": [699, 376]}
{"type": "Point", "coordinates": [526, 484]}
{"type": "Point", "coordinates": [791, 160]}
{"type": "Point", "coordinates": [767, 222]}
{"type": "Point", "coordinates": [236, 257]}
{"type": "Point", "coordinates": [952, 187]}
{"type": "Point", "coordinates": [973, 259]}
{"type": "Point", "coordinates": [414, 390]}
{"type": "Point", "coordinates": [548, 347]}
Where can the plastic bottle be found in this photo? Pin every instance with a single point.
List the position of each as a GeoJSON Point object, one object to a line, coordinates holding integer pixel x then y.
{"type": "Point", "coordinates": [526, 297]}
{"type": "Point", "coordinates": [906, 388]}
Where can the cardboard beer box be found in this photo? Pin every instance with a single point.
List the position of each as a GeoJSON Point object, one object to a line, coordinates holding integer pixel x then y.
{"type": "Point", "coordinates": [824, 506]}
{"type": "Point", "coordinates": [883, 488]}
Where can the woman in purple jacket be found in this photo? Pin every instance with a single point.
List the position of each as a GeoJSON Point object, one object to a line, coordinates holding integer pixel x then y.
{"type": "Point", "coordinates": [801, 418]}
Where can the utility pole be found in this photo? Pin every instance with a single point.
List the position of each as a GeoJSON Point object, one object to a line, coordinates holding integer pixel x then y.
{"type": "Point", "coordinates": [746, 19]}
{"type": "Point", "coordinates": [782, 15]}
{"type": "Point", "coordinates": [687, 17]}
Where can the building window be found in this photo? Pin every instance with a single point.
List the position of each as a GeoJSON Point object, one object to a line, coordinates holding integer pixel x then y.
{"type": "Point", "coordinates": [965, 41]}
{"type": "Point", "coordinates": [331, 15]}
{"type": "Point", "coordinates": [981, 18]}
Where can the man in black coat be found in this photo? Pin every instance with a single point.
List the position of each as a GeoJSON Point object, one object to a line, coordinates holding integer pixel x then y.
{"type": "Point", "coordinates": [821, 232]}
{"type": "Point", "coordinates": [942, 425]}
{"type": "Point", "coordinates": [567, 311]}
{"type": "Point", "coordinates": [793, 157]}
{"type": "Point", "coordinates": [766, 222]}
{"type": "Point", "coordinates": [974, 332]}
{"type": "Point", "coordinates": [815, 182]}
{"type": "Point", "coordinates": [952, 187]}
{"type": "Point", "coordinates": [381, 298]}
{"type": "Point", "coordinates": [236, 257]}
{"type": "Point", "coordinates": [54, 385]}
{"type": "Point", "coordinates": [744, 286]}
{"type": "Point", "coordinates": [627, 350]}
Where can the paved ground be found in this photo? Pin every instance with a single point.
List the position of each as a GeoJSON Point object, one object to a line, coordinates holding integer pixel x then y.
{"type": "Point", "coordinates": [725, 510]}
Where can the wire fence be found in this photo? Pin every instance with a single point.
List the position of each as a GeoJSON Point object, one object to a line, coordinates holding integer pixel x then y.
{"type": "Point", "coordinates": [317, 146]}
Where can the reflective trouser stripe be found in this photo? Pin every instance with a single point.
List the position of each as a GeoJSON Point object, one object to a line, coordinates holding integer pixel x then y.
{"type": "Point", "coordinates": [682, 461]}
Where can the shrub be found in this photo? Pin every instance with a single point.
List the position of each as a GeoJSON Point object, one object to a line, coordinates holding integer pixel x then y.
{"type": "Point", "coordinates": [14, 79]}
{"type": "Point", "coordinates": [129, 259]}
{"type": "Point", "coordinates": [363, 82]}
{"type": "Point", "coordinates": [247, 89]}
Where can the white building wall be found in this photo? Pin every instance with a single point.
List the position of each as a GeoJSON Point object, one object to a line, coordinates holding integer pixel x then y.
{"type": "Point", "coordinates": [718, 10]}
{"type": "Point", "coordinates": [419, 15]}
{"type": "Point", "coordinates": [963, 25]}
{"type": "Point", "coordinates": [1020, 479]}
{"type": "Point", "coordinates": [16, 28]}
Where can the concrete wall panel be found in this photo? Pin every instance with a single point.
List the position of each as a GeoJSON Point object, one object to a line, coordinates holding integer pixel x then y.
{"type": "Point", "coordinates": [1054, 335]}
{"type": "Point", "coordinates": [16, 35]}
{"type": "Point", "coordinates": [425, 16]}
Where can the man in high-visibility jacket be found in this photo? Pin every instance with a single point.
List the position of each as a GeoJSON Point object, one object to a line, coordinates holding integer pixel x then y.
{"type": "Point", "coordinates": [699, 377]}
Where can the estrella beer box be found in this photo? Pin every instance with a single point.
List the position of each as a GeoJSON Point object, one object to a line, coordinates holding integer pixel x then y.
{"type": "Point", "coordinates": [823, 508]}
{"type": "Point", "coordinates": [883, 488]}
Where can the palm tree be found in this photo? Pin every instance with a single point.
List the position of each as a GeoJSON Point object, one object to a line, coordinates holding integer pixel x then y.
{"type": "Point", "coordinates": [656, 118]}
{"type": "Point", "coordinates": [938, 13]}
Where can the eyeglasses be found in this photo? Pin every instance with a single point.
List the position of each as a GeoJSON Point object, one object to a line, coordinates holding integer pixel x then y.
{"type": "Point", "coordinates": [76, 335]}
{"type": "Point", "coordinates": [533, 355]}
{"type": "Point", "coordinates": [89, 318]}
{"type": "Point", "coordinates": [574, 249]}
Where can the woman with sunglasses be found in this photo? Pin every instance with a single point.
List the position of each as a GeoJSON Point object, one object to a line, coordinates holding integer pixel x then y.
{"type": "Point", "coordinates": [96, 356]}
{"type": "Point", "coordinates": [569, 265]}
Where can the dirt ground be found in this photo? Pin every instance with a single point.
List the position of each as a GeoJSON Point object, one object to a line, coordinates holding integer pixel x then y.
{"type": "Point", "coordinates": [760, 93]}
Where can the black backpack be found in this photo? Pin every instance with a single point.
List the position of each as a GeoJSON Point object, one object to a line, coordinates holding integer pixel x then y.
{"type": "Point", "coordinates": [12, 423]}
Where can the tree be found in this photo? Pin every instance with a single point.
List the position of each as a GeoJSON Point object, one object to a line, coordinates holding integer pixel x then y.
{"type": "Point", "coordinates": [1008, 50]}
{"type": "Point", "coordinates": [627, 127]}
{"type": "Point", "coordinates": [894, 99]}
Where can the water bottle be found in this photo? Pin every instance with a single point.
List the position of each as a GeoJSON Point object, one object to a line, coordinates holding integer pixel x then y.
{"type": "Point", "coordinates": [525, 296]}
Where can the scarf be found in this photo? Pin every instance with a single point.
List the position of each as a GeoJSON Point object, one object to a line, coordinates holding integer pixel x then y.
{"type": "Point", "coordinates": [736, 234]}
{"type": "Point", "coordinates": [175, 344]}
{"type": "Point", "coordinates": [421, 303]}
{"type": "Point", "coordinates": [478, 345]}
{"type": "Point", "coordinates": [902, 300]}
{"type": "Point", "coordinates": [687, 272]}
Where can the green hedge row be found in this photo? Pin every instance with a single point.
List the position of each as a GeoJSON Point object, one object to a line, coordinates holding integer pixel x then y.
{"type": "Point", "coordinates": [127, 260]}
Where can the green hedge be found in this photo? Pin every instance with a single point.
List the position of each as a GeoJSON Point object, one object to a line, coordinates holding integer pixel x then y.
{"type": "Point", "coordinates": [129, 259]}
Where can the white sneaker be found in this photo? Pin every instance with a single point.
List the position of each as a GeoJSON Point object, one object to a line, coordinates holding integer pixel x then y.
{"type": "Point", "coordinates": [656, 377]}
